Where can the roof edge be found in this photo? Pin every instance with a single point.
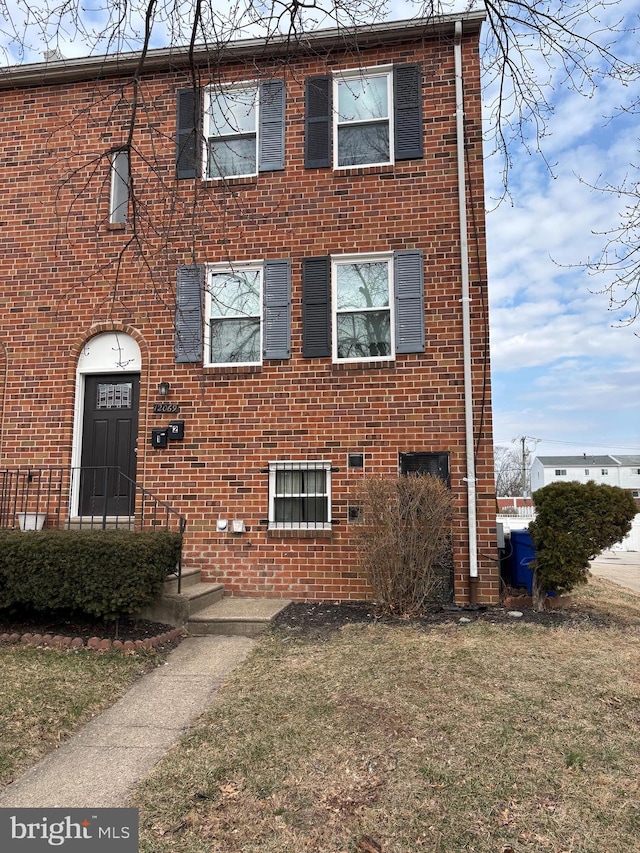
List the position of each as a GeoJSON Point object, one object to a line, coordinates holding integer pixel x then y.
{"type": "Point", "coordinates": [156, 59]}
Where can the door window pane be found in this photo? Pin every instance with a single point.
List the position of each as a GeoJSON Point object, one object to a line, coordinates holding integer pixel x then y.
{"type": "Point", "coordinates": [110, 395]}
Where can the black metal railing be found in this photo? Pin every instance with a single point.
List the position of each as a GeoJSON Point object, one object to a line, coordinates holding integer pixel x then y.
{"type": "Point", "coordinates": [33, 498]}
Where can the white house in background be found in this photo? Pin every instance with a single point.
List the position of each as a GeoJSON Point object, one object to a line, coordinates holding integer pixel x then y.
{"type": "Point", "coordinates": [623, 471]}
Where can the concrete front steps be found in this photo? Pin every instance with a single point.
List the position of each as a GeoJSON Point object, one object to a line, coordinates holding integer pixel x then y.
{"type": "Point", "coordinates": [202, 608]}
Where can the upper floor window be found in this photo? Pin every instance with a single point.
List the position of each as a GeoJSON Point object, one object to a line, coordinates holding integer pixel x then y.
{"type": "Point", "coordinates": [363, 307]}
{"type": "Point", "coordinates": [233, 311]}
{"type": "Point", "coordinates": [362, 304]}
{"type": "Point", "coordinates": [239, 131]}
{"type": "Point", "coordinates": [586, 472]}
{"type": "Point", "coordinates": [605, 472]}
{"type": "Point", "coordinates": [247, 312]}
{"type": "Point", "coordinates": [561, 472]}
{"type": "Point", "coordinates": [119, 190]}
{"type": "Point", "coordinates": [364, 117]}
{"type": "Point", "coordinates": [231, 132]}
{"type": "Point", "coordinates": [363, 128]}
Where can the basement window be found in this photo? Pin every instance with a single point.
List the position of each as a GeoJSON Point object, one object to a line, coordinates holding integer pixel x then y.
{"type": "Point", "coordinates": [300, 495]}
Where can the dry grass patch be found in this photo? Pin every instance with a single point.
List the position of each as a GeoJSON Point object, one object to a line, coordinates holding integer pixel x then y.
{"type": "Point", "coordinates": [471, 737]}
{"type": "Point", "coordinates": [605, 599]}
{"type": "Point", "coordinates": [47, 693]}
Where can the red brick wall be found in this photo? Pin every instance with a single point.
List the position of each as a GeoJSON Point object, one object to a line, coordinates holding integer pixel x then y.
{"type": "Point", "coordinates": [67, 275]}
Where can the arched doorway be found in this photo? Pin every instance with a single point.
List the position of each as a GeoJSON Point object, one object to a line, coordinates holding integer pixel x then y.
{"type": "Point", "coordinates": [106, 428]}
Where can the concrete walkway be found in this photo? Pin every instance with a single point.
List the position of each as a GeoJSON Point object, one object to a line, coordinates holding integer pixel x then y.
{"type": "Point", "coordinates": [622, 567]}
{"type": "Point", "coordinates": [108, 757]}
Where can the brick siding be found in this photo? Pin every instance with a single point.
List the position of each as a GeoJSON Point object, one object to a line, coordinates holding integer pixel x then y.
{"type": "Point", "coordinates": [62, 284]}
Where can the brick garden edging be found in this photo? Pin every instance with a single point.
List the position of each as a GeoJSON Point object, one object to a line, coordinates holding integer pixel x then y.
{"type": "Point", "coordinates": [94, 643]}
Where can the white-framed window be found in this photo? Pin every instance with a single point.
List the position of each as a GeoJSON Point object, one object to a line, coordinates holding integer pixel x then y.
{"type": "Point", "coordinates": [233, 305]}
{"type": "Point", "coordinates": [605, 472]}
{"type": "Point", "coordinates": [586, 472]}
{"type": "Point", "coordinates": [561, 472]}
{"type": "Point", "coordinates": [231, 131]}
{"type": "Point", "coordinates": [363, 117]}
{"type": "Point", "coordinates": [119, 189]}
{"type": "Point", "coordinates": [300, 495]}
{"type": "Point", "coordinates": [362, 288]}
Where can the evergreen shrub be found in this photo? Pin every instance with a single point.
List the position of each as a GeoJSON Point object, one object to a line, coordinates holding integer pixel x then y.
{"type": "Point", "coordinates": [99, 573]}
{"type": "Point", "coordinates": [574, 523]}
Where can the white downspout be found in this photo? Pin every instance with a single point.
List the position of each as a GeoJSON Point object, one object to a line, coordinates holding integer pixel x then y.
{"type": "Point", "coordinates": [466, 319]}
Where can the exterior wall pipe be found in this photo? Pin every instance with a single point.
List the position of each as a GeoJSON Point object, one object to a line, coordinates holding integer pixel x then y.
{"type": "Point", "coordinates": [466, 320]}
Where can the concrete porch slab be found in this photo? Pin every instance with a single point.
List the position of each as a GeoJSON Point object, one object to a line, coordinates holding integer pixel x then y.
{"type": "Point", "coordinates": [236, 616]}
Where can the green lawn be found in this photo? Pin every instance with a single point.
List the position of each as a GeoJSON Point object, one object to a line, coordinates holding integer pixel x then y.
{"type": "Point", "coordinates": [479, 737]}
{"type": "Point", "coordinates": [47, 693]}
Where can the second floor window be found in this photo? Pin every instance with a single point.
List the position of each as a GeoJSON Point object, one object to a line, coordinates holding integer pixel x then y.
{"type": "Point", "coordinates": [234, 308]}
{"type": "Point", "coordinates": [231, 132]}
{"type": "Point", "coordinates": [363, 327]}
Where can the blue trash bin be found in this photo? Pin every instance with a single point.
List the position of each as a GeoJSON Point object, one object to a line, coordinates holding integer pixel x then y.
{"type": "Point", "coordinates": [522, 554]}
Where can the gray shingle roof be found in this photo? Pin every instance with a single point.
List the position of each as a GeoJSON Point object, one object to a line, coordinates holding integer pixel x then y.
{"type": "Point", "coordinates": [580, 461]}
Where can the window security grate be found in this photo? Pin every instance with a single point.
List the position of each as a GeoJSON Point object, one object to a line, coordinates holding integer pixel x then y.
{"type": "Point", "coordinates": [300, 495]}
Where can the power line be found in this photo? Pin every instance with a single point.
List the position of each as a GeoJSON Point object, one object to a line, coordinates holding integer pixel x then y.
{"type": "Point", "coordinates": [571, 443]}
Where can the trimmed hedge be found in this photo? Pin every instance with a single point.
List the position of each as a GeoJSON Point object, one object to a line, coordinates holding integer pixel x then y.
{"type": "Point", "coordinates": [101, 573]}
{"type": "Point", "coordinates": [574, 523]}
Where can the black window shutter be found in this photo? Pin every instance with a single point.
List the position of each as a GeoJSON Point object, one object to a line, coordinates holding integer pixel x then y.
{"type": "Point", "coordinates": [409, 301]}
{"type": "Point", "coordinates": [318, 123]}
{"type": "Point", "coordinates": [436, 464]}
{"type": "Point", "coordinates": [407, 104]}
{"type": "Point", "coordinates": [188, 134]}
{"type": "Point", "coordinates": [316, 307]}
{"type": "Point", "coordinates": [276, 340]}
{"type": "Point", "coordinates": [189, 291]}
{"type": "Point", "coordinates": [271, 106]}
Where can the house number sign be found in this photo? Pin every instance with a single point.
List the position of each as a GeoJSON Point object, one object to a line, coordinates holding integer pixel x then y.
{"type": "Point", "coordinates": [166, 408]}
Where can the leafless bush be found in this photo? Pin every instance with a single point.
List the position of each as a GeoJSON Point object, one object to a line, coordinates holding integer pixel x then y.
{"type": "Point", "coordinates": [404, 539]}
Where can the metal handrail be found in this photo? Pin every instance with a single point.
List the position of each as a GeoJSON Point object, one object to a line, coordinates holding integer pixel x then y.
{"type": "Point", "coordinates": [33, 497]}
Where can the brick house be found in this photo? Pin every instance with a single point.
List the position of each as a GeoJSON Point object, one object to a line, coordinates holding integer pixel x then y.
{"type": "Point", "coordinates": [267, 281]}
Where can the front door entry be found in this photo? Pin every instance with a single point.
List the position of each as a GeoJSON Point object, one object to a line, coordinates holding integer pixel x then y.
{"type": "Point", "coordinates": [109, 433]}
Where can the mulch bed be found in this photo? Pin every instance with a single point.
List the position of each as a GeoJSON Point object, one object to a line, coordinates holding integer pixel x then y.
{"type": "Point", "coordinates": [319, 618]}
{"type": "Point", "coordinates": [66, 631]}
{"type": "Point", "coordinates": [300, 618]}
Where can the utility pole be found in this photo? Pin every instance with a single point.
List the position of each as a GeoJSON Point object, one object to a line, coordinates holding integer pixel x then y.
{"type": "Point", "coordinates": [524, 465]}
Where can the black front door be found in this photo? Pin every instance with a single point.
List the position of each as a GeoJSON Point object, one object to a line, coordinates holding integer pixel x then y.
{"type": "Point", "coordinates": [108, 459]}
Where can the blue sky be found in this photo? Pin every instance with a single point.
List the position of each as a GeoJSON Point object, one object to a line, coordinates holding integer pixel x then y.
{"type": "Point", "coordinates": [563, 368]}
